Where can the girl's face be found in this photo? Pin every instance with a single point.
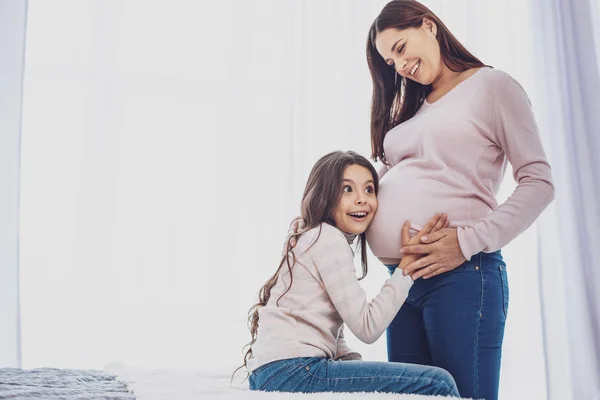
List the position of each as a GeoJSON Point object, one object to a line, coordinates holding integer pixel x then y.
{"type": "Point", "coordinates": [414, 53]}
{"type": "Point", "coordinates": [358, 204]}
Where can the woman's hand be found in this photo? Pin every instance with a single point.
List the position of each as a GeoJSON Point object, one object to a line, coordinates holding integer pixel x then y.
{"type": "Point", "coordinates": [442, 251]}
{"type": "Point", "coordinates": [437, 222]}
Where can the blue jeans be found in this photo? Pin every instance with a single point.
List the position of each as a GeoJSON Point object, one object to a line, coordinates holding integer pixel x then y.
{"type": "Point", "coordinates": [456, 321]}
{"type": "Point", "coordinates": [319, 374]}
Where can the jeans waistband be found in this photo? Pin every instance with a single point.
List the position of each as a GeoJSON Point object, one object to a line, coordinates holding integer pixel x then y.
{"type": "Point", "coordinates": [475, 259]}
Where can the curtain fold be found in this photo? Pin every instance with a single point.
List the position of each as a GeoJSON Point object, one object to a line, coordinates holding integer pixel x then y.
{"type": "Point", "coordinates": [12, 47]}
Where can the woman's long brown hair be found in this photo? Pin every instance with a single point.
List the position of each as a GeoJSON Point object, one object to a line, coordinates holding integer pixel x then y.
{"type": "Point", "coordinates": [321, 196]}
{"type": "Point", "coordinates": [395, 98]}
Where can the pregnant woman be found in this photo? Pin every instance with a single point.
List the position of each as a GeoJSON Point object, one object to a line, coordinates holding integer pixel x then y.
{"type": "Point", "coordinates": [445, 125]}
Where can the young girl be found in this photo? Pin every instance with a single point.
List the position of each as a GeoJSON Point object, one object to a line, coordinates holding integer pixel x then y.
{"type": "Point", "coordinates": [299, 345]}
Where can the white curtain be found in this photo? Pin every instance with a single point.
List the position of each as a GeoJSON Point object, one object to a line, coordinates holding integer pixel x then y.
{"type": "Point", "coordinates": [570, 98]}
{"type": "Point", "coordinates": [165, 150]}
{"type": "Point", "coordinates": [12, 47]}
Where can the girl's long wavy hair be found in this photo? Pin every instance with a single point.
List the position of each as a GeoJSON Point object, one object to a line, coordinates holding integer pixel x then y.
{"type": "Point", "coordinates": [395, 98]}
{"type": "Point", "coordinates": [321, 196]}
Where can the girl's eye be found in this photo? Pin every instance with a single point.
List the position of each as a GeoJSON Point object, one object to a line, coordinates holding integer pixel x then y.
{"type": "Point", "coordinates": [347, 189]}
{"type": "Point", "coordinates": [370, 189]}
{"type": "Point", "coordinates": [401, 49]}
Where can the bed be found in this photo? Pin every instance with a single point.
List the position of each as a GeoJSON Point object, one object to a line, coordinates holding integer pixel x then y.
{"type": "Point", "coordinates": [121, 382]}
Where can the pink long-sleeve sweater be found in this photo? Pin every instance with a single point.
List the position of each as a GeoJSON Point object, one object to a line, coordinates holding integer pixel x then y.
{"type": "Point", "coordinates": [325, 294]}
{"type": "Point", "coordinates": [451, 158]}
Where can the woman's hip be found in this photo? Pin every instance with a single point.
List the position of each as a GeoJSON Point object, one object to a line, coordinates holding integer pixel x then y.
{"type": "Point", "coordinates": [476, 283]}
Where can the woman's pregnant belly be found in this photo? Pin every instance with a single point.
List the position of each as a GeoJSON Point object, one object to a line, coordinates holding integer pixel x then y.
{"type": "Point", "coordinates": [415, 194]}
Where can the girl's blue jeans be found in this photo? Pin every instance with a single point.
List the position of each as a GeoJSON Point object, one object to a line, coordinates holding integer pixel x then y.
{"type": "Point", "coordinates": [318, 374]}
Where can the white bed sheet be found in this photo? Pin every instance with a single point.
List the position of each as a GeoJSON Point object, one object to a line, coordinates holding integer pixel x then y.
{"type": "Point", "coordinates": [191, 384]}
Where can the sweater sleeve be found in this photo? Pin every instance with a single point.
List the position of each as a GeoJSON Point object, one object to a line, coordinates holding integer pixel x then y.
{"type": "Point", "coordinates": [333, 259]}
{"type": "Point", "coordinates": [517, 134]}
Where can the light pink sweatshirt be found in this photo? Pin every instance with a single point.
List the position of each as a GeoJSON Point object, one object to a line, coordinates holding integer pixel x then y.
{"type": "Point", "coordinates": [324, 295]}
{"type": "Point", "coordinates": [451, 158]}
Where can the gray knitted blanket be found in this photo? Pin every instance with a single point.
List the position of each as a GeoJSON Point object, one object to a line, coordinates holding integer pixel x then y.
{"type": "Point", "coordinates": [64, 384]}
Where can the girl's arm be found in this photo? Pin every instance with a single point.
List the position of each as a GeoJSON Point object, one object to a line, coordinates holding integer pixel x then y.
{"type": "Point", "coordinates": [333, 259]}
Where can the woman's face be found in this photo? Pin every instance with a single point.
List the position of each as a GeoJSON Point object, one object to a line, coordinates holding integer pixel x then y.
{"type": "Point", "coordinates": [358, 204]}
{"type": "Point", "coordinates": [414, 52]}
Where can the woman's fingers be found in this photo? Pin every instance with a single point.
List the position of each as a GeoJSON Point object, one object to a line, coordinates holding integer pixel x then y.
{"type": "Point", "coordinates": [440, 224]}
{"type": "Point", "coordinates": [430, 224]}
{"type": "Point", "coordinates": [429, 272]}
{"type": "Point", "coordinates": [439, 218]}
{"type": "Point", "coordinates": [437, 222]}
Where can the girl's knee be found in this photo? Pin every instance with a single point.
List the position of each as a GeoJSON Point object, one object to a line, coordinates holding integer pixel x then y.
{"type": "Point", "coordinates": [445, 382]}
